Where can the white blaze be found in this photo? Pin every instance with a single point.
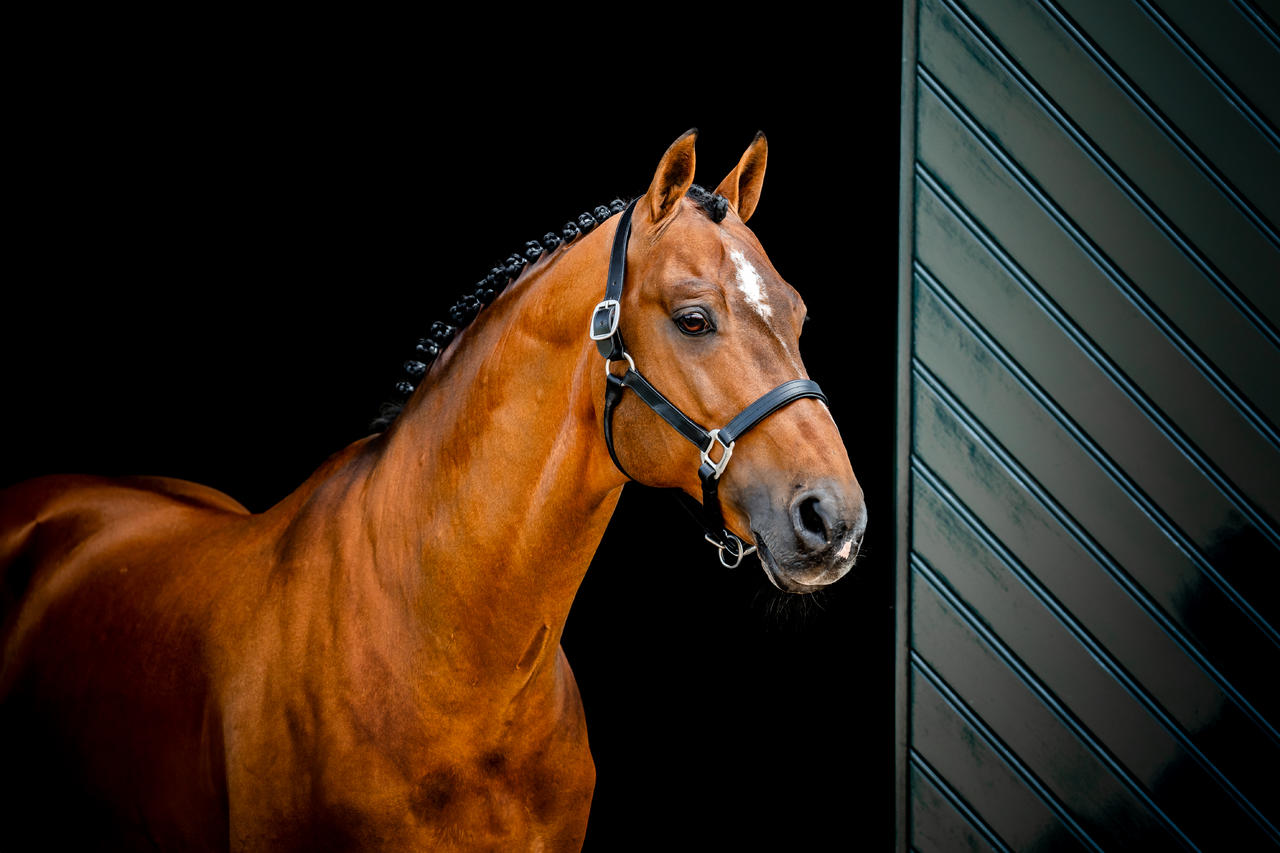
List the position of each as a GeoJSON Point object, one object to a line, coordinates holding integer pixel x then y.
{"type": "Point", "coordinates": [751, 285]}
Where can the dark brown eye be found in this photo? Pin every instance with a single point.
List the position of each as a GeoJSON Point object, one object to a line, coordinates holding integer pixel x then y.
{"type": "Point", "coordinates": [694, 323]}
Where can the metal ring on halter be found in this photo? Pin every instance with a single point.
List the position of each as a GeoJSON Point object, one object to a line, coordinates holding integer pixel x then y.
{"type": "Point", "coordinates": [724, 457]}
{"type": "Point", "coordinates": [626, 355]}
{"type": "Point", "coordinates": [741, 551]}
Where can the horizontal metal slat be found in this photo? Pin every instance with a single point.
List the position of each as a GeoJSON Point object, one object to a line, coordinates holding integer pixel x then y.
{"type": "Point", "coordinates": [1266, 13]}
{"type": "Point", "coordinates": [940, 822]}
{"type": "Point", "coordinates": [1081, 381]}
{"type": "Point", "coordinates": [1100, 497]}
{"type": "Point", "coordinates": [1088, 471]}
{"type": "Point", "coordinates": [1234, 48]}
{"type": "Point", "coordinates": [1065, 562]}
{"type": "Point", "coordinates": [1087, 680]}
{"type": "Point", "coordinates": [1089, 785]}
{"type": "Point", "coordinates": [1030, 242]}
{"type": "Point", "coordinates": [1017, 807]}
{"type": "Point", "coordinates": [1179, 282]}
{"type": "Point", "coordinates": [1165, 77]}
{"type": "Point", "coordinates": [1178, 183]}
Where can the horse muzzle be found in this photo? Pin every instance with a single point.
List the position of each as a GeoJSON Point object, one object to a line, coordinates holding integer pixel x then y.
{"type": "Point", "coordinates": [812, 538]}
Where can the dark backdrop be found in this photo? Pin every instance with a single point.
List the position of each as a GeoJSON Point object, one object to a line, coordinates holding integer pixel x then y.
{"type": "Point", "coordinates": [223, 254]}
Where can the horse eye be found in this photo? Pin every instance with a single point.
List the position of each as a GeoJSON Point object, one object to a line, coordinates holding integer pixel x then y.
{"type": "Point", "coordinates": [694, 323]}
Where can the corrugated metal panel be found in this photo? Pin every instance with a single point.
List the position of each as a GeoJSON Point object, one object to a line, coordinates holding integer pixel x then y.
{"type": "Point", "coordinates": [1089, 466]}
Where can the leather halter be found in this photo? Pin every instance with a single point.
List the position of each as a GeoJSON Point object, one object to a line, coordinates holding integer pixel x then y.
{"type": "Point", "coordinates": [608, 338]}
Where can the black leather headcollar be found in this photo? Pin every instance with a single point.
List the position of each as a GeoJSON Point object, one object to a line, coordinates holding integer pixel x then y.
{"type": "Point", "coordinates": [606, 332]}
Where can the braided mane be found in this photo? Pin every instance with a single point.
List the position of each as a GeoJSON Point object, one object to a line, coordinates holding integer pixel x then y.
{"type": "Point", "coordinates": [496, 280]}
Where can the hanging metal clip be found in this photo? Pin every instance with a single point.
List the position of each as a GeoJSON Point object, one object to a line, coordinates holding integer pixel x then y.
{"type": "Point", "coordinates": [735, 553]}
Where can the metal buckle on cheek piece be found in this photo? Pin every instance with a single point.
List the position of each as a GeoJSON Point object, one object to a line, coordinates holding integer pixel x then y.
{"type": "Point", "coordinates": [738, 552]}
{"type": "Point", "coordinates": [604, 319]}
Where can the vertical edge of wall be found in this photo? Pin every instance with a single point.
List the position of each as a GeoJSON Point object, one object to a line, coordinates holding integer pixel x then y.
{"type": "Point", "coordinates": [902, 459]}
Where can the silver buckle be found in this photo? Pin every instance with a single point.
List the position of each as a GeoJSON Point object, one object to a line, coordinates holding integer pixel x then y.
{"type": "Point", "coordinates": [614, 309]}
{"type": "Point", "coordinates": [724, 457]}
{"type": "Point", "coordinates": [738, 553]}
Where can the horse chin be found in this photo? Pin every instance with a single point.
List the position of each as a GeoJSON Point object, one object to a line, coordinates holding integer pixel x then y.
{"type": "Point", "coordinates": [786, 580]}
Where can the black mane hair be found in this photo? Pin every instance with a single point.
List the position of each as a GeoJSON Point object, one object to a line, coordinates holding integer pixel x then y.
{"type": "Point", "coordinates": [499, 276]}
{"type": "Point", "coordinates": [714, 205]}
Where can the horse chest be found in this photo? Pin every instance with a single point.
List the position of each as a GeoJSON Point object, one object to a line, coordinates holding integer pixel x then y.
{"type": "Point", "coordinates": [520, 776]}
{"type": "Point", "coordinates": [493, 800]}
{"type": "Point", "coordinates": [464, 803]}
{"type": "Point", "coordinates": [380, 765]}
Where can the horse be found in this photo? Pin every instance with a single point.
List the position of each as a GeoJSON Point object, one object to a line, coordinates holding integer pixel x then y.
{"type": "Point", "coordinates": [375, 662]}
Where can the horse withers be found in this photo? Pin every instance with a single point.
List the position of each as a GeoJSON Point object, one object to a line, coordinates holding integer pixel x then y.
{"type": "Point", "coordinates": [366, 665]}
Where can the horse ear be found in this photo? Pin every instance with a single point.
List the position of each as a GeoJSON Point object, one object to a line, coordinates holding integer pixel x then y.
{"type": "Point", "coordinates": [673, 178]}
{"type": "Point", "coordinates": [742, 186]}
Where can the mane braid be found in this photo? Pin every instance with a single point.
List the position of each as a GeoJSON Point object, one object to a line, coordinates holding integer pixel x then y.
{"type": "Point", "coordinates": [496, 280]}
{"type": "Point", "coordinates": [473, 302]}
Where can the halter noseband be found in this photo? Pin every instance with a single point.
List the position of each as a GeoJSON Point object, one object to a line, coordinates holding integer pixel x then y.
{"type": "Point", "coordinates": [604, 331]}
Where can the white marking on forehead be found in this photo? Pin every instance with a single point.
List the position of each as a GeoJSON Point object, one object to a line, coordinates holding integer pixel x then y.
{"type": "Point", "coordinates": [751, 285]}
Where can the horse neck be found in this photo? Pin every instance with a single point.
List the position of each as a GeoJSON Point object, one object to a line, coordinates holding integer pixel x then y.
{"type": "Point", "coordinates": [490, 493]}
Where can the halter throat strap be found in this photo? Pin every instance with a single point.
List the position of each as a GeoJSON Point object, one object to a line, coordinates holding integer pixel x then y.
{"type": "Point", "coordinates": [605, 331]}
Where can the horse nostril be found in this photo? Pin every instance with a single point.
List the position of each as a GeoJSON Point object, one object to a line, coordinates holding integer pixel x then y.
{"type": "Point", "coordinates": [810, 518]}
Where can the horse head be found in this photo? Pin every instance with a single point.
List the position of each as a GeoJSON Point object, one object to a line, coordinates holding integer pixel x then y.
{"type": "Point", "coordinates": [708, 320]}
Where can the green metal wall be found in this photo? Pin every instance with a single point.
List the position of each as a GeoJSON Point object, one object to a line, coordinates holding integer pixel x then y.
{"type": "Point", "coordinates": [1089, 460]}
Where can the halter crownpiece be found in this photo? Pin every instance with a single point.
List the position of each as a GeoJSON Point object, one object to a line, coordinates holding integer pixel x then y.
{"type": "Point", "coordinates": [605, 320]}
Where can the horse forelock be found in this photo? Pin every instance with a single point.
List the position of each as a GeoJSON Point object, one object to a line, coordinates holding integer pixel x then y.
{"type": "Point", "coordinates": [499, 277]}
{"type": "Point", "coordinates": [713, 204]}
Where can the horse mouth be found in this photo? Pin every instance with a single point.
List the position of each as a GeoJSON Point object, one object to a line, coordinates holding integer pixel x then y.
{"type": "Point", "coordinates": [774, 572]}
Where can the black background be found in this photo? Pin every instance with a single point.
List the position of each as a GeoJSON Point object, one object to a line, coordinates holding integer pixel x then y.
{"type": "Point", "coordinates": [225, 247]}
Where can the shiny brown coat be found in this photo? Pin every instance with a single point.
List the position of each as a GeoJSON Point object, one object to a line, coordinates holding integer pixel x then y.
{"type": "Point", "coordinates": [374, 663]}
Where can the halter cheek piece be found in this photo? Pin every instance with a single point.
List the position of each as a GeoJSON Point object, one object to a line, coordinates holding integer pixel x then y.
{"type": "Point", "coordinates": [604, 331]}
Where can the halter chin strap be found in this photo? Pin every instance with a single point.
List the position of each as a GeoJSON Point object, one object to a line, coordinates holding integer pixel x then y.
{"type": "Point", "coordinates": [608, 338]}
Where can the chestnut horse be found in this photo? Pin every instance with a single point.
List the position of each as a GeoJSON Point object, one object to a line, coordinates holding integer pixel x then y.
{"type": "Point", "coordinates": [375, 663]}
